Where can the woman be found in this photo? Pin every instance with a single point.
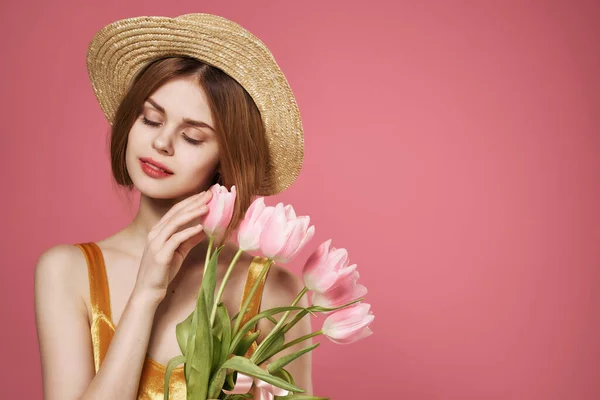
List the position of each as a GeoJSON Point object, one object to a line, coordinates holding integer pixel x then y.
{"type": "Point", "coordinates": [179, 125]}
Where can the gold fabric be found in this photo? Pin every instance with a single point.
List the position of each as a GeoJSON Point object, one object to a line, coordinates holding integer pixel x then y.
{"type": "Point", "coordinates": [257, 265]}
{"type": "Point", "coordinates": [102, 329]}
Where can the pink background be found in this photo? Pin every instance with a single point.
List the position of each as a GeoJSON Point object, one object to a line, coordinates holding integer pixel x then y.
{"type": "Point", "coordinates": [451, 147]}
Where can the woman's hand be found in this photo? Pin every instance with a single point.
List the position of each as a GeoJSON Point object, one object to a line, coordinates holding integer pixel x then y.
{"type": "Point", "coordinates": [167, 246]}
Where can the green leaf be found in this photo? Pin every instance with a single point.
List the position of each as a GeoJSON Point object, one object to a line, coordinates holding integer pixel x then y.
{"type": "Point", "coordinates": [300, 397]}
{"type": "Point", "coordinates": [216, 383]}
{"type": "Point", "coordinates": [229, 381]}
{"type": "Point", "coordinates": [223, 317]}
{"type": "Point", "coordinates": [245, 366]}
{"type": "Point", "coordinates": [269, 349]}
{"type": "Point", "coordinates": [217, 329]}
{"type": "Point", "coordinates": [244, 344]}
{"type": "Point", "coordinates": [209, 281]}
{"type": "Point", "coordinates": [285, 375]}
{"type": "Point", "coordinates": [173, 362]}
{"type": "Point", "coordinates": [182, 331]}
{"type": "Point", "coordinates": [191, 339]}
{"type": "Point", "coordinates": [202, 352]}
{"type": "Point", "coordinates": [285, 360]}
{"type": "Point", "coordinates": [216, 353]}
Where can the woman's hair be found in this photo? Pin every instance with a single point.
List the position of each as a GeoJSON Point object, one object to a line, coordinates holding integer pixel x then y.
{"type": "Point", "coordinates": [243, 149]}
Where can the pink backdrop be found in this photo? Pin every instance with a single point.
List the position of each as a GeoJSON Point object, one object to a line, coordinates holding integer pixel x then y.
{"type": "Point", "coordinates": [452, 149]}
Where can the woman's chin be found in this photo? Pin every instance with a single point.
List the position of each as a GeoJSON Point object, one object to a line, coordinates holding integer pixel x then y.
{"type": "Point", "coordinates": [156, 189]}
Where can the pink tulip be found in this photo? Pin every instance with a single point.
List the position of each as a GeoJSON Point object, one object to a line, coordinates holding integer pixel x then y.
{"type": "Point", "coordinates": [326, 267]}
{"type": "Point", "coordinates": [344, 291]}
{"type": "Point", "coordinates": [284, 234]}
{"type": "Point", "coordinates": [349, 324]}
{"type": "Point", "coordinates": [248, 234]}
{"type": "Point", "coordinates": [220, 211]}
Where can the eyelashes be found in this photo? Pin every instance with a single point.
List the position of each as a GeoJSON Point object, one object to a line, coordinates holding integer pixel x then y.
{"type": "Point", "coordinates": [185, 137]}
{"type": "Point", "coordinates": [148, 122]}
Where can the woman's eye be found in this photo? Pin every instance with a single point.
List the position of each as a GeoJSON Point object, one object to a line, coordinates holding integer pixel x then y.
{"type": "Point", "coordinates": [148, 122]}
{"type": "Point", "coordinates": [185, 137]}
{"type": "Point", "coordinates": [192, 141]}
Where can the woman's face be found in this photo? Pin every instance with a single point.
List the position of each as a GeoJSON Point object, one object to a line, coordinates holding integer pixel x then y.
{"type": "Point", "coordinates": [175, 130]}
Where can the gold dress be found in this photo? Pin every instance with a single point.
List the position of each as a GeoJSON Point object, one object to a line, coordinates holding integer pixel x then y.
{"type": "Point", "coordinates": [102, 329]}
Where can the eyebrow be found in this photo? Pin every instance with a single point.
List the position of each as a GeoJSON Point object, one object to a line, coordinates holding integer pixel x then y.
{"type": "Point", "coordinates": [188, 121]}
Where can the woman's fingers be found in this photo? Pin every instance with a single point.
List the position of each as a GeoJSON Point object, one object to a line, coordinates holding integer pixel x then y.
{"type": "Point", "coordinates": [190, 202]}
{"type": "Point", "coordinates": [179, 221]}
{"type": "Point", "coordinates": [182, 242]}
{"type": "Point", "coordinates": [178, 243]}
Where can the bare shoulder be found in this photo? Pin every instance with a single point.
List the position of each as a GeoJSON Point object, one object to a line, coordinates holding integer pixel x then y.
{"type": "Point", "coordinates": [61, 272]}
{"type": "Point", "coordinates": [59, 262]}
{"type": "Point", "coordinates": [63, 251]}
{"type": "Point", "coordinates": [62, 322]}
{"type": "Point", "coordinates": [61, 266]}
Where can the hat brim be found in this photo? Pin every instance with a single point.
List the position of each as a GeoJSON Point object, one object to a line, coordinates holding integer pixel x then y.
{"type": "Point", "coordinates": [121, 49]}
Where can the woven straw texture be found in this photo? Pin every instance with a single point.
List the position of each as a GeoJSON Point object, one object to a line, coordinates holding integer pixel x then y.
{"type": "Point", "coordinates": [121, 49]}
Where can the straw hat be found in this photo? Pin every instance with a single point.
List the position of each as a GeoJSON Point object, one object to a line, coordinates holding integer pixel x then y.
{"type": "Point", "coordinates": [121, 49]}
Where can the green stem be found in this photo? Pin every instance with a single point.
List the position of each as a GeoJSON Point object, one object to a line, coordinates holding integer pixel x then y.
{"type": "Point", "coordinates": [222, 286]}
{"type": "Point", "coordinates": [208, 251]}
{"type": "Point", "coordinates": [277, 327]}
{"type": "Point", "coordinates": [244, 307]}
{"type": "Point", "coordinates": [300, 339]}
{"type": "Point", "coordinates": [293, 322]}
{"type": "Point", "coordinates": [252, 321]}
{"type": "Point", "coordinates": [302, 313]}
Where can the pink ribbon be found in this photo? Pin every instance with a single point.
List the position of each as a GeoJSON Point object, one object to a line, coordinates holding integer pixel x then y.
{"type": "Point", "coordinates": [264, 390]}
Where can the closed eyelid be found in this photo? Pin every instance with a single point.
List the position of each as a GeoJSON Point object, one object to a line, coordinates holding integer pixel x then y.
{"type": "Point", "coordinates": [150, 103]}
{"type": "Point", "coordinates": [205, 134]}
{"type": "Point", "coordinates": [155, 124]}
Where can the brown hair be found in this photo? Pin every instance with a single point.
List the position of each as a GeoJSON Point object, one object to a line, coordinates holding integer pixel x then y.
{"type": "Point", "coordinates": [243, 149]}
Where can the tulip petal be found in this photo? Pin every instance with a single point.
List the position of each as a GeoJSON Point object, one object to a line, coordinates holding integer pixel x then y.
{"type": "Point", "coordinates": [351, 339]}
{"type": "Point", "coordinates": [307, 237]}
{"type": "Point", "coordinates": [346, 316]}
{"type": "Point", "coordinates": [350, 330]}
{"type": "Point", "coordinates": [252, 226]}
{"type": "Point", "coordinates": [273, 237]}
{"type": "Point", "coordinates": [294, 239]}
{"type": "Point", "coordinates": [255, 209]}
{"type": "Point", "coordinates": [339, 257]}
{"type": "Point", "coordinates": [316, 273]}
{"type": "Point", "coordinates": [338, 296]}
{"type": "Point", "coordinates": [220, 211]}
{"type": "Point", "coordinates": [290, 214]}
{"type": "Point", "coordinates": [347, 272]}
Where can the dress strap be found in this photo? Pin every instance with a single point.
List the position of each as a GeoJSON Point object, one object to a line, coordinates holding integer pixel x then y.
{"type": "Point", "coordinates": [99, 293]}
{"type": "Point", "coordinates": [102, 328]}
{"type": "Point", "coordinates": [256, 267]}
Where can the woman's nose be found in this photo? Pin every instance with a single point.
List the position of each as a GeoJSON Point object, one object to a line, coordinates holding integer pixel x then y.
{"type": "Point", "coordinates": [162, 143]}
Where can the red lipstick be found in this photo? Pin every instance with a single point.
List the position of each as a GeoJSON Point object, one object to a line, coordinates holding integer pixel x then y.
{"type": "Point", "coordinates": [154, 169]}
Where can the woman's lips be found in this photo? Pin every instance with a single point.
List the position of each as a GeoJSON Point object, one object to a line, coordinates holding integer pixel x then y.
{"type": "Point", "coordinates": [155, 163]}
{"type": "Point", "coordinates": [154, 172]}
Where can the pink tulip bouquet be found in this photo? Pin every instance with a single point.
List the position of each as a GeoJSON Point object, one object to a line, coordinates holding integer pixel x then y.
{"type": "Point", "coordinates": [213, 344]}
